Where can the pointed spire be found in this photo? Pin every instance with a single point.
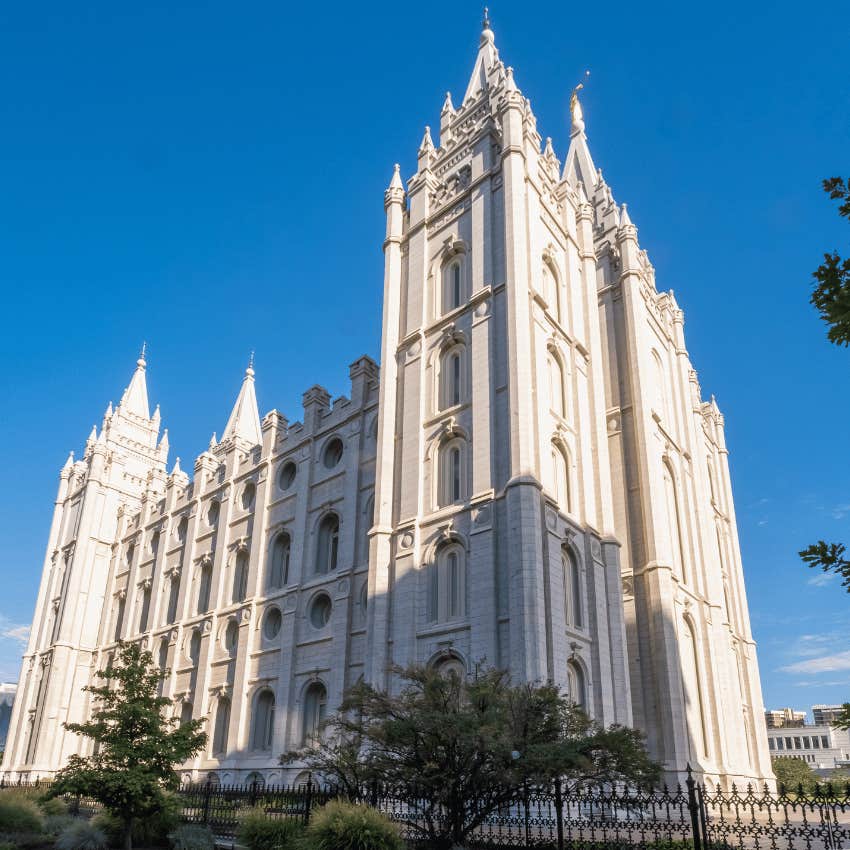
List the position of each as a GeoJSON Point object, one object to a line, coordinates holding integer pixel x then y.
{"type": "Point", "coordinates": [213, 442]}
{"type": "Point", "coordinates": [427, 145]}
{"type": "Point", "coordinates": [69, 463]}
{"type": "Point", "coordinates": [487, 59]}
{"type": "Point", "coordinates": [625, 221]}
{"type": "Point", "coordinates": [163, 443]}
{"type": "Point", "coordinates": [448, 106]}
{"type": "Point", "coordinates": [135, 398]}
{"type": "Point", "coordinates": [396, 183]}
{"type": "Point", "coordinates": [548, 150]}
{"type": "Point", "coordinates": [176, 470]}
{"type": "Point", "coordinates": [244, 421]}
{"type": "Point", "coordinates": [93, 436]}
{"type": "Point", "coordinates": [108, 413]}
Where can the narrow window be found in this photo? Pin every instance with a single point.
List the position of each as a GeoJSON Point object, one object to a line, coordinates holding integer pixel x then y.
{"type": "Point", "coordinates": [556, 385]}
{"type": "Point", "coordinates": [327, 551]}
{"type": "Point", "coordinates": [674, 520]}
{"type": "Point", "coordinates": [240, 576]}
{"type": "Point", "coordinates": [561, 471]}
{"type": "Point", "coordinates": [186, 713]}
{"type": "Point", "coordinates": [575, 684]}
{"type": "Point", "coordinates": [195, 647]}
{"type": "Point", "coordinates": [454, 584]}
{"type": "Point", "coordinates": [119, 618]}
{"type": "Point", "coordinates": [447, 585]}
{"type": "Point", "coordinates": [572, 589]}
{"type": "Point", "coordinates": [146, 607]}
{"type": "Point", "coordinates": [222, 724]}
{"type": "Point", "coordinates": [456, 285]}
{"type": "Point", "coordinates": [454, 461]}
{"type": "Point", "coordinates": [263, 731]}
{"type": "Point", "coordinates": [204, 587]}
{"type": "Point", "coordinates": [279, 569]}
{"type": "Point", "coordinates": [315, 707]}
{"type": "Point", "coordinates": [173, 596]}
{"type": "Point", "coordinates": [456, 378]}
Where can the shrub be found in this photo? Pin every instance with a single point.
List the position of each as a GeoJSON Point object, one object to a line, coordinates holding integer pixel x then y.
{"type": "Point", "coordinates": [54, 824]}
{"type": "Point", "coordinates": [81, 835]}
{"type": "Point", "coordinates": [19, 814]}
{"type": "Point", "coordinates": [52, 806]}
{"type": "Point", "coordinates": [150, 832]}
{"type": "Point", "coordinates": [260, 832]}
{"type": "Point", "coordinates": [346, 826]}
{"type": "Point", "coordinates": [192, 837]}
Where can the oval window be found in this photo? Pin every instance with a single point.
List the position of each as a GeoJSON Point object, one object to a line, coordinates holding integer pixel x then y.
{"type": "Point", "coordinates": [333, 453]}
{"type": "Point", "coordinates": [272, 624]}
{"type": "Point", "coordinates": [287, 475]}
{"type": "Point", "coordinates": [320, 611]}
{"type": "Point", "coordinates": [248, 493]}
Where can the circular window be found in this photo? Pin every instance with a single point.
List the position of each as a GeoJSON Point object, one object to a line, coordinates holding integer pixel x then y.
{"type": "Point", "coordinates": [272, 624]}
{"type": "Point", "coordinates": [333, 453]}
{"type": "Point", "coordinates": [231, 636]}
{"type": "Point", "coordinates": [212, 514]}
{"type": "Point", "coordinates": [320, 611]}
{"type": "Point", "coordinates": [248, 493]}
{"type": "Point", "coordinates": [287, 475]}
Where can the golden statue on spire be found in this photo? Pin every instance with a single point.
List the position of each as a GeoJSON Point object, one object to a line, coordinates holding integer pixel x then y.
{"type": "Point", "coordinates": [575, 107]}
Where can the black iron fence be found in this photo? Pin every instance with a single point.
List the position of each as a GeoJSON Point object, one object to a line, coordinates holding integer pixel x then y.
{"type": "Point", "coordinates": [556, 818]}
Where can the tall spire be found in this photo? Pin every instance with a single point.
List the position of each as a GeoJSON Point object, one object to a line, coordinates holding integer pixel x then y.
{"type": "Point", "coordinates": [487, 59]}
{"type": "Point", "coordinates": [135, 398]}
{"type": "Point", "coordinates": [578, 166]}
{"type": "Point", "coordinates": [244, 421]}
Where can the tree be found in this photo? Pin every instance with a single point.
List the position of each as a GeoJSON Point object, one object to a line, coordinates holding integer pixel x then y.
{"type": "Point", "coordinates": [831, 297]}
{"type": "Point", "coordinates": [136, 747]}
{"type": "Point", "coordinates": [458, 749]}
{"type": "Point", "coordinates": [793, 774]}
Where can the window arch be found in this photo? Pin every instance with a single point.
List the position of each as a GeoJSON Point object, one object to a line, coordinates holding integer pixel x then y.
{"type": "Point", "coordinates": [145, 607]}
{"type": "Point", "coordinates": [449, 665]}
{"type": "Point", "coordinates": [557, 399]}
{"type": "Point", "coordinates": [551, 290]}
{"type": "Point", "coordinates": [186, 710]}
{"type": "Point", "coordinates": [572, 588]}
{"type": "Point", "coordinates": [222, 725]}
{"type": "Point", "coordinates": [691, 690]}
{"type": "Point", "coordinates": [447, 586]}
{"type": "Point", "coordinates": [120, 603]}
{"type": "Point", "coordinates": [195, 646]}
{"type": "Point", "coordinates": [315, 708]}
{"type": "Point", "coordinates": [452, 285]}
{"type": "Point", "coordinates": [452, 388]}
{"type": "Point", "coordinates": [674, 520]}
{"type": "Point", "coordinates": [279, 562]}
{"type": "Point", "coordinates": [451, 473]}
{"type": "Point", "coordinates": [576, 684]}
{"type": "Point", "coordinates": [327, 548]}
{"type": "Point", "coordinates": [204, 588]}
{"type": "Point", "coordinates": [262, 732]}
{"type": "Point", "coordinates": [173, 597]}
{"type": "Point", "coordinates": [561, 472]}
{"type": "Point", "coordinates": [240, 576]}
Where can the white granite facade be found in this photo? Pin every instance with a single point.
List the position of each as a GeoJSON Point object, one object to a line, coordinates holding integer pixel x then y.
{"type": "Point", "coordinates": [533, 482]}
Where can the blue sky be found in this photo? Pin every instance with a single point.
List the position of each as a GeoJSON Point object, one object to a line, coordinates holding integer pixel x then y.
{"type": "Point", "coordinates": [209, 177]}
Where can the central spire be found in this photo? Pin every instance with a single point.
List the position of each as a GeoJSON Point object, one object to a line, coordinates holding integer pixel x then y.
{"type": "Point", "coordinates": [487, 58]}
{"type": "Point", "coordinates": [244, 421]}
{"type": "Point", "coordinates": [135, 398]}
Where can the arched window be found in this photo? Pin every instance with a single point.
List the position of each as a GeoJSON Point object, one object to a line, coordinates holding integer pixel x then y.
{"type": "Point", "coordinates": [368, 522]}
{"type": "Point", "coordinates": [162, 663]}
{"type": "Point", "coordinates": [327, 549]}
{"type": "Point", "coordinates": [195, 647]}
{"type": "Point", "coordinates": [447, 592]}
{"type": "Point", "coordinates": [674, 521]}
{"type": "Point", "coordinates": [557, 402]}
{"type": "Point", "coordinates": [204, 588]}
{"type": "Point", "coordinates": [450, 665]}
{"type": "Point", "coordinates": [279, 566]}
{"type": "Point", "coordinates": [711, 480]}
{"type": "Point", "coordinates": [551, 291]}
{"type": "Point", "coordinates": [119, 617]}
{"type": "Point", "coordinates": [222, 725]}
{"type": "Point", "coordinates": [561, 472]}
{"type": "Point", "coordinates": [451, 377]}
{"type": "Point", "coordinates": [256, 779]}
{"type": "Point", "coordinates": [452, 286]}
{"type": "Point", "coordinates": [155, 544]}
{"type": "Point", "coordinates": [452, 473]}
{"type": "Point", "coordinates": [249, 491]}
{"type": "Point", "coordinates": [240, 576]}
{"type": "Point", "coordinates": [575, 684]}
{"type": "Point", "coordinates": [186, 710]}
{"type": "Point", "coordinates": [692, 692]}
{"type": "Point", "coordinates": [212, 514]}
{"type": "Point", "coordinates": [572, 589]}
{"type": "Point", "coordinates": [182, 530]}
{"type": "Point", "coordinates": [145, 607]}
{"type": "Point", "coordinates": [315, 708]}
{"type": "Point", "coordinates": [173, 596]}
{"type": "Point", "coordinates": [263, 728]}
{"type": "Point", "coordinates": [660, 387]}
{"type": "Point", "coordinates": [333, 453]}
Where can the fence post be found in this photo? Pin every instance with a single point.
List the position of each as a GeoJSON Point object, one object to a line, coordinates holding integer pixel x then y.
{"type": "Point", "coordinates": [525, 803]}
{"type": "Point", "coordinates": [694, 809]}
{"type": "Point", "coordinates": [373, 796]}
{"type": "Point", "coordinates": [559, 812]}
{"type": "Point", "coordinates": [207, 795]}
{"type": "Point", "coordinates": [308, 800]}
{"type": "Point", "coordinates": [253, 797]}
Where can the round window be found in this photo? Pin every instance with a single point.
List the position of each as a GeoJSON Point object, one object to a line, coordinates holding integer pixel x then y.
{"type": "Point", "coordinates": [333, 453]}
{"type": "Point", "coordinates": [248, 493]}
{"type": "Point", "coordinates": [287, 475]}
{"type": "Point", "coordinates": [212, 514]}
{"type": "Point", "coordinates": [320, 611]}
{"type": "Point", "coordinates": [231, 636]}
{"type": "Point", "coordinates": [272, 623]}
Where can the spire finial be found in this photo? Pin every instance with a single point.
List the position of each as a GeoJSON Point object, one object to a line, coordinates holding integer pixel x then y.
{"type": "Point", "coordinates": [250, 370]}
{"type": "Point", "coordinates": [486, 31]}
{"type": "Point", "coordinates": [576, 115]}
{"type": "Point", "coordinates": [485, 22]}
{"type": "Point", "coordinates": [141, 361]}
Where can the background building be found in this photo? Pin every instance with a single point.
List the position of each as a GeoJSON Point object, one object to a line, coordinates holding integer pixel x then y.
{"type": "Point", "coordinates": [533, 482]}
{"type": "Point", "coordinates": [7, 700]}
{"type": "Point", "coordinates": [826, 714]}
{"type": "Point", "coordinates": [784, 717]}
{"type": "Point", "coordinates": [823, 746]}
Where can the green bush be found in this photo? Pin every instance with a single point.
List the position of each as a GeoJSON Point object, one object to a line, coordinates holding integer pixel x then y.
{"type": "Point", "coordinates": [51, 806]}
{"type": "Point", "coordinates": [150, 832]}
{"type": "Point", "coordinates": [19, 813]}
{"type": "Point", "coordinates": [346, 826]}
{"type": "Point", "coordinates": [54, 824]}
{"type": "Point", "coordinates": [257, 831]}
{"type": "Point", "coordinates": [192, 837]}
{"type": "Point", "coordinates": [81, 835]}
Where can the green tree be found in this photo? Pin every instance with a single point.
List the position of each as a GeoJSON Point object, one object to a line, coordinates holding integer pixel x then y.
{"type": "Point", "coordinates": [793, 774]}
{"type": "Point", "coordinates": [459, 749]}
{"type": "Point", "coordinates": [137, 746]}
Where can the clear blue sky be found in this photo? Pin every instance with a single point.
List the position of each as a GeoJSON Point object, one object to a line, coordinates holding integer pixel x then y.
{"type": "Point", "coordinates": [210, 176]}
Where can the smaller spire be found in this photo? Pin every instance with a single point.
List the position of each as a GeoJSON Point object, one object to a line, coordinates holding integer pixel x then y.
{"type": "Point", "coordinates": [156, 414]}
{"type": "Point", "coordinates": [510, 85]}
{"type": "Point", "coordinates": [548, 150]}
{"type": "Point", "coordinates": [68, 463]}
{"type": "Point", "coordinates": [427, 145]}
{"type": "Point", "coordinates": [93, 436]}
{"type": "Point", "coordinates": [163, 443]}
{"type": "Point", "coordinates": [213, 441]}
{"type": "Point", "coordinates": [135, 398]}
{"type": "Point", "coordinates": [108, 413]}
{"type": "Point", "coordinates": [396, 183]}
{"type": "Point", "coordinates": [625, 221]}
{"type": "Point", "coordinates": [176, 470]}
{"type": "Point", "coordinates": [448, 106]}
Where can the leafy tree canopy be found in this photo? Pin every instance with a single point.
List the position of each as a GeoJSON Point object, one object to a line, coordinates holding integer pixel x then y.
{"type": "Point", "coordinates": [463, 748]}
{"type": "Point", "coordinates": [831, 295]}
{"type": "Point", "coordinates": [793, 774]}
{"type": "Point", "coordinates": [137, 745]}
